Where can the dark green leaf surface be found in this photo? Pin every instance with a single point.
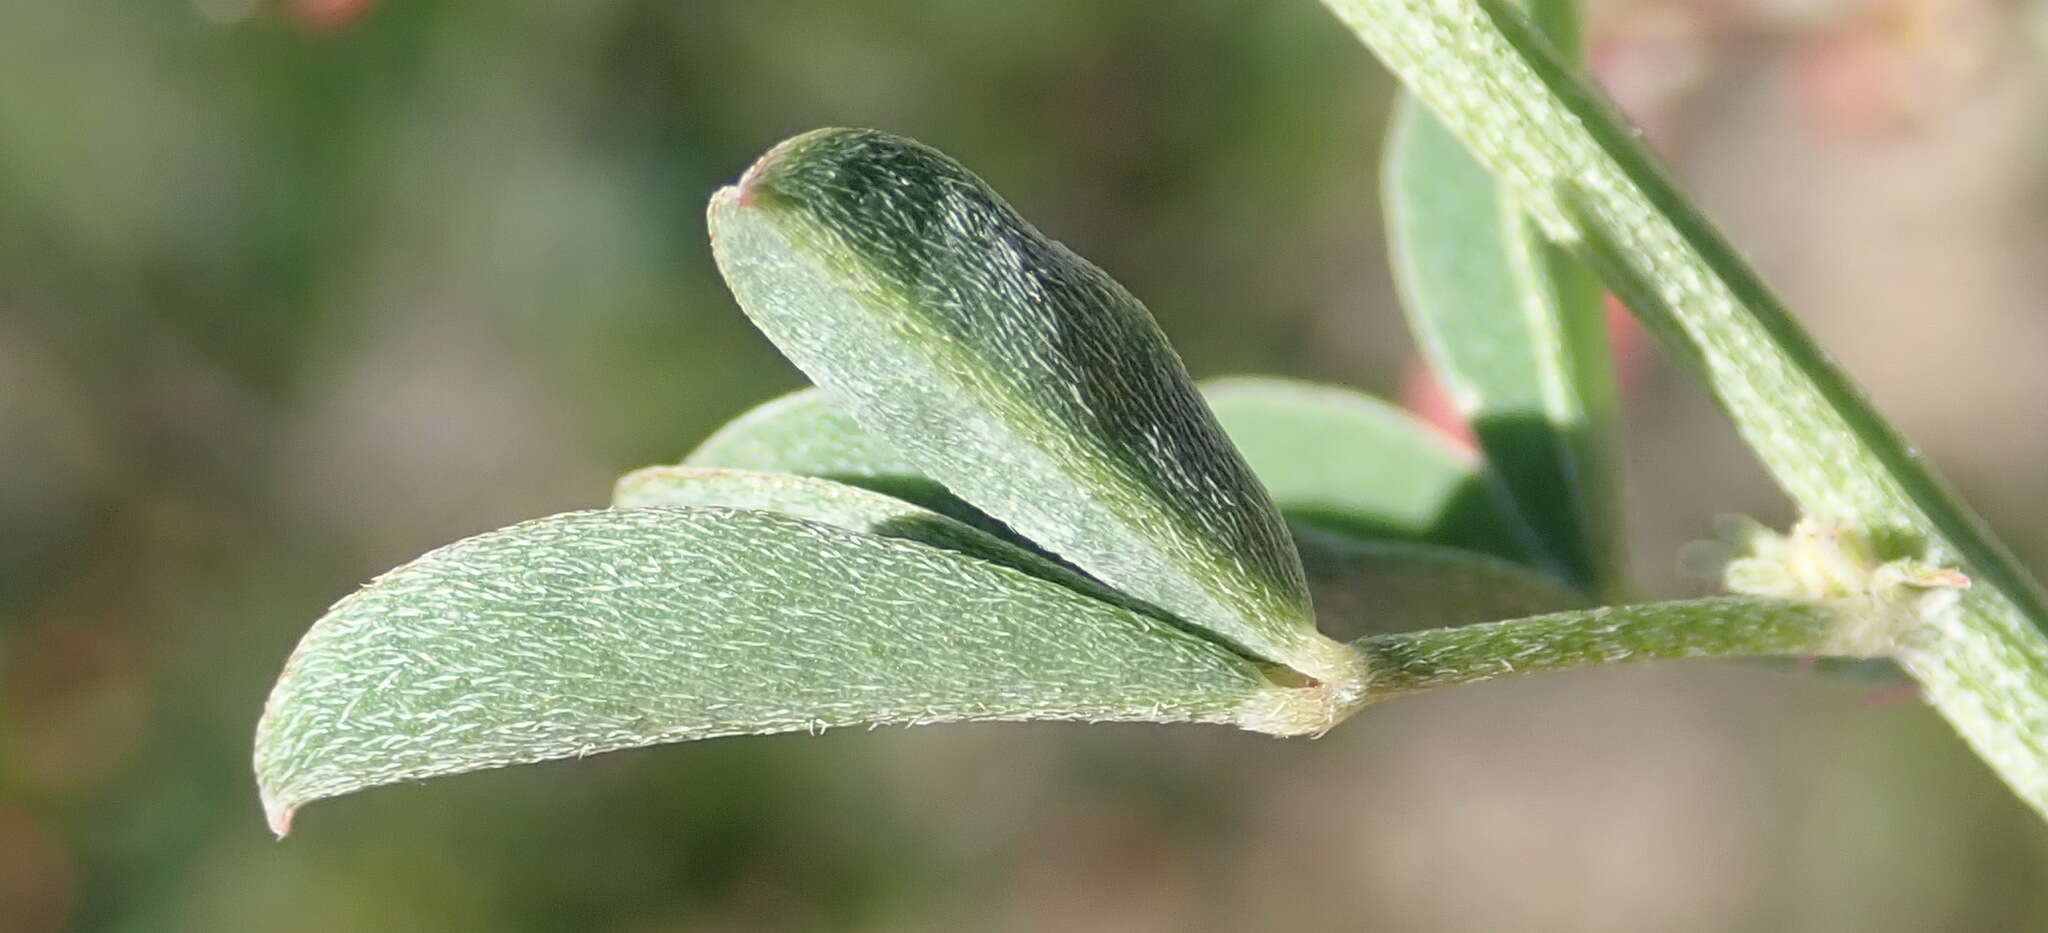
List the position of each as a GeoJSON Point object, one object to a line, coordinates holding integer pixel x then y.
{"type": "Point", "coordinates": [592, 631]}
{"type": "Point", "coordinates": [1517, 340]}
{"type": "Point", "coordinates": [1017, 374]}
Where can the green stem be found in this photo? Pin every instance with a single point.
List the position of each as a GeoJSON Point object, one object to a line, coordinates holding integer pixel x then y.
{"type": "Point", "coordinates": [1720, 627]}
{"type": "Point", "coordinates": [1582, 393]}
{"type": "Point", "coordinates": [1586, 353]}
{"type": "Point", "coordinates": [1408, 662]}
{"type": "Point", "coordinates": [1589, 184]}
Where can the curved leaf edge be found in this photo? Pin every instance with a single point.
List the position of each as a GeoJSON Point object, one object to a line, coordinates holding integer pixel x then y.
{"type": "Point", "coordinates": [1260, 702]}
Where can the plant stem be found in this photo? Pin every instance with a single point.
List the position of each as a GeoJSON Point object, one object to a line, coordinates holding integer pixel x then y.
{"type": "Point", "coordinates": [1514, 326]}
{"type": "Point", "coordinates": [1719, 627]}
{"type": "Point", "coordinates": [1587, 354]}
{"type": "Point", "coordinates": [1409, 662]}
{"type": "Point", "coordinates": [1558, 21]}
{"type": "Point", "coordinates": [1589, 184]}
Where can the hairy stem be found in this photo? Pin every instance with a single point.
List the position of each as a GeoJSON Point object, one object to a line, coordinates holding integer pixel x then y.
{"type": "Point", "coordinates": [1720, 627]}
{"type": "Point", "coordinates": [1589, 184]}
{"type": "Point", "coordinates": [1587, 355]}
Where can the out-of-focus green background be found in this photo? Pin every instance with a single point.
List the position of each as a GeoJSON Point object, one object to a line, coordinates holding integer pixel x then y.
{"type": "Point", "coordinates": [290, 293]}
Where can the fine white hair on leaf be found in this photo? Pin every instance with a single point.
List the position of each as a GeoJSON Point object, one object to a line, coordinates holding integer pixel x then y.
{"type": "Point", "coordinates": [592, 631]}
{"type": "Point", "coordinates": [1024, 378]}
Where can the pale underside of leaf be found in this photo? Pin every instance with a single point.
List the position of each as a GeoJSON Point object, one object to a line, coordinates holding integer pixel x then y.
{"type": "Point", "coordinates": [1017, 374]}
{"type": "Point", "coordinates": [593, 631]}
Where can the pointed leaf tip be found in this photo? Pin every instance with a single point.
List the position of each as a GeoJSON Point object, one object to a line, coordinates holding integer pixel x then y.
{"type": "Point", "coordinates": [279, 816]}
{"type": "Point", "coordinates": [593, 631]}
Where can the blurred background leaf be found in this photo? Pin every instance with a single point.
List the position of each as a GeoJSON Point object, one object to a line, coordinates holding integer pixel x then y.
{"type": "Point", "coordinates": [290, 294]}
{"type": "Point", "coordinates": [1353, 464]}
{"type": "Point", "coordinates": [1514, 331]}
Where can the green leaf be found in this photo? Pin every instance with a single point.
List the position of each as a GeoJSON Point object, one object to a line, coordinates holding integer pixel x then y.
{"type": "Point", "coordinates": [1360, 586]}
{"type": "Point", "coordinates": [806, 433]}
{"type": "Point", "coordinates": [1017, 374]}
{"type": "Point", "coordinates": [1329, 457]}
{"type": "Point", "coordinates": [1366, 487]}
{"type": "Point", "coordinates": [810, 498]}
{"type": "Point", "coordinates": [1517, 339]}
{"type": "Point", "coordinates": [1587, 180]}
{"type": "Point", "coordinates": [593, 631]}
{"type": "Point", "coordinates": [1348, 462]}
{"type": "Point", "coordinates": [843, 506]}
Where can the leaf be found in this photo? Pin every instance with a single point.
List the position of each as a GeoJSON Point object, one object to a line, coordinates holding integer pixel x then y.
{"type": "Point", "coordinates": [1517, 340]}
{"type": "Point", "coordinates": [806, 433]}
{"type": "Point", "coordinates": [592, 631]}
{"type": "Point", "coordinates": [1360, 586]}
{"type": "Point", "coordinates": [1586, 179]}
{"type": "Point", "coordinates": [1367, 490]}
{"type": "Point", "coordinates": [807, 497]}
{"type": "Point", "coordinates": [844, 506]}
{"type": "Point", "coordinates": [1328, 456]}
{"type": "Point", "coordinates": [1017, 374]}
{"type": "Point", "coordinates": [1348, 462]}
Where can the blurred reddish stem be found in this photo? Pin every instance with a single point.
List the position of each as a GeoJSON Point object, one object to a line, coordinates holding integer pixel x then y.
{"type": "Point", "coordinates": [1425, 395]}
{"type": "Point", "coordinates": [329, 15]}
